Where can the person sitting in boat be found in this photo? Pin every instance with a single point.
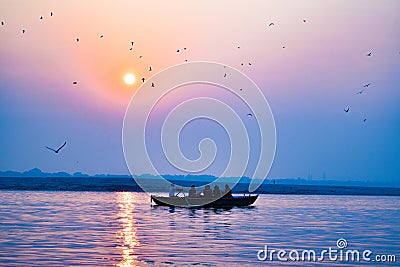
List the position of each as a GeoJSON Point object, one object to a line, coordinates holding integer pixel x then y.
{"type": "Point", "coordinates": [207, 192]}
{"type": "Point", "coordinates": [172, 190]}
{"type": "Point", "coordinates": [228, 192]}
{"type": "Point", "coordinates": [192, 191]}
{"type": "Point", "coordinates": [216, 192]}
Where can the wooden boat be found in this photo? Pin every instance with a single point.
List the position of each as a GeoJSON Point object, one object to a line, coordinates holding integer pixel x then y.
{"type": "Point", "coordinates": [236, 201]}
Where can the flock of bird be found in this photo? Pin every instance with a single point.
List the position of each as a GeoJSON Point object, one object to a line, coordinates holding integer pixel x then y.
{"type": "Point", "coordinates": [180, 50]}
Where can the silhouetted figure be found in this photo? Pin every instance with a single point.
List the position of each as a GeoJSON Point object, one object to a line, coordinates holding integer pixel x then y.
{"type": "Point", "coordinates": [249, 114]}
{"type": "Point", "coordinates": [365, 120]}
{"type": "Point", "coordinates": [132, 43]}
{"type": "Point", "coordinates": [347, 110]}
{"type": "Point", "coordinates": [360, 92]}
{"type": "Point", "coordinates": [369, 54]}
{"type": "Point", "coordinates": [101, 36]}
{"type": "Point", "coordinates": [51, 14]}
{"type": "Point", "coordinates": [152, 84]}
{"type": "Point", "coordinates": [41, 17]}
{"type": "Point", "coordinates": [368, 84]}
{"type": "Point", "coordinates": [304, 20]}
{"type": "Point", "coordinates": [216, 192]}
{"type": "Point", "coordinates": [150, 68]}
{"type": "Point", "coordinates": [58, 149]}
{"type": "Point", "coordinates": [207, 192]}
{"type": "Point", "coordinates": [192, 191]}
{"type": "Point", "coordinates": [2, 23]}
{"type": "Point", "coordinates": [271, 24]}
{"type": "Point", "coordinates": [77, 40]}
{"type": "Point", "coordinates": [228, 192]}
{"type": "Point", "coordinates": [225, 75]}
{"type": "Point", "coordinates": [177, 51]}
{"type": "Point", "coordinates": [143, 79]}
{"type": "Point", "coordinates": [74, 82]}
{"type": "Point", "coordinates": [274, 181]}
{"type": "Point", "coordinates": [172, 190]}
{"type": "Point", "coordinates": [23, 31]}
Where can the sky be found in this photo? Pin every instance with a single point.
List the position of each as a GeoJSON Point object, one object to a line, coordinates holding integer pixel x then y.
{"type": "Point", "coordinates": [309, 72]}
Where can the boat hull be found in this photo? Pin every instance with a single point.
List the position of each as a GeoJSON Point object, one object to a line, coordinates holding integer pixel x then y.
{"type": "Point", "coordinates": [237, 201]}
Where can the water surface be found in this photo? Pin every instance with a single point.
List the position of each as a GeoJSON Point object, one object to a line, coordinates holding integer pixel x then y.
{"type": "Point", "coordinates": [123, 229]}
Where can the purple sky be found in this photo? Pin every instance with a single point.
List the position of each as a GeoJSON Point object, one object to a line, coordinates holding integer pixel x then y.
{"type": "Point", "coordinates": [308, 84]}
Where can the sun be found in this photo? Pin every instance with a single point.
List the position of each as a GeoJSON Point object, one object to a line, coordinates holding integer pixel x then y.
{"type": "Point", "coordinates": [129, 78]}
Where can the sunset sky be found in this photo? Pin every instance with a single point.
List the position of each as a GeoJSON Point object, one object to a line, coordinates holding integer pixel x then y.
{"type": "Point", "coordinates": [308, 71]}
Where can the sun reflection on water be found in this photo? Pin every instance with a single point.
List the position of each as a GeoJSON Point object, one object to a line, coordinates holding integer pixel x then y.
{"type": "Point", "coordinates": [127, 235]}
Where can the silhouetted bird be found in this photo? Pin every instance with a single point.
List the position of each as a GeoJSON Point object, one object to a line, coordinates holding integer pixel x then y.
{"type": "Point", "coordinates": [249, 64]}
{"type": "Point", "coordinates": [140, 56]}
{"type": "Point", "coordinates": [23, 31]}
{"type": "Point", "coordinates": [177, 51]}
{"type": "Point", "coordinates": [368, 84]}
{"type": "Point", "coordinates": [304, 20]}
{"type": "Point", "coordinates": [186, 60]}
{"type": "Point", "coordinates": [51, 14]}
{"type": "Point", "coordinates": [347, 110]}
{"type": "Point", "coordinates": [241, 89]}
{"type": "Point", "coordinates": [152, 84]}
{"type": "Point", "coordinates": [271, 24]}
{"type": "Point", "coordinates": [241, 64]}
{"type": "Point", "coordinates": [130, 48]}
{"type": "Point", "coordinates": [225, 75]}
{"type": "Point", "coordinates": [74, 82]}
{"type": "Point", "coordinates": [238, 46]}
{"type": "Point", "coordinates": [369, 54]}
{"type": "Point", "coordinates": [77, 40]}
{"type": "Point", "coordinates": [2, 23]}
{"type": "Point", "coordinates": [41, 17]}
{"type": "Point", "coordinates": [143, 79]}
{"type": "Point", "coordinates": [132, 43]}
{"type": "Point", "coordinates": [149, 68]}
{"type": "Point", "coordinates": [360, 92]}
{"type": "Point", "coordinates": [184, 48]}
{"type": "Point", "coordinates": [283, 46]}
{"type": "Point", "coordinates": [365, 120]}
{"type": "Point", "coordinates": [58, 149]}
{"type": "Point", "coordinates": [101, 36]}
{"type": "Point", "coordinates": [249, 114]}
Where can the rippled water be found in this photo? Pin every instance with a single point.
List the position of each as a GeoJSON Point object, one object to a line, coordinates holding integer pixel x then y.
{"type": "Point", "coordinates": [123, 229]}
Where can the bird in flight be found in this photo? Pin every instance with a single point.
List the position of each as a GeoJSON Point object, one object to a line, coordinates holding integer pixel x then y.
{"type": "Point", "coordinates": [249, 64]}
{"type": "Point", "coordinates": [304, 20]}
{"type": "Point", "coordinates": [23, 31]}
{"type": "Point", "coordinates": [369, 54]}
{"type": "Point", "coordinates": [225, 75]}
{"type": "Point", "coordinates": [238, 46]}
{"type": "Point", "coordinates": [365, 120]}
{"type": "Point", "coordinates": [132, 43]}
{"type": "Point", "coordinates": [241, 89]}
{"type": "Point", "coordinates": [184, 48]}
{"type": "Point", "coordinates": [360, 92]}
{"type": "Point", "coordinates": [2, 23]}
{"type": "Point", "coordinates": [150, 68]}
{"type": "Point", "coordinates": [177, 51]}
{"type": "Point", "coordinates": [249, 114]}
{"type": "Point", "coordinates": [140, 56]}
{"type": "Point", "coordinates": [143, 79]}
{"type": "Point", "coordinates": [75, 82]}
{"type": "Point", "coordinates": [58, 149]}
{"type": "Point", "coordinates": [101, 36]}
{"type": "Point", "coordinates": [152, 84]}
{"type": "Point", "coordinates": [41, 17]}
{"type": "Point", "coordinates": [51, 14]}
{"type": "Point", "coordinates": [242, 64]}
{"type": "Point", "coordinates": [271, 24]}
{"type": "Point", "coordinates": [77, 40]}
{"type": "Point", "coordinates": [368, 84]}
{"type": "Point", "coordinates": [347, 110]}
{"type": "Point", "coordinates": [130, 48]}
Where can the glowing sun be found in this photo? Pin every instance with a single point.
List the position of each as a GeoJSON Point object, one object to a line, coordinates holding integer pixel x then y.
{"type": "Point", "coordinates": [129, 78]}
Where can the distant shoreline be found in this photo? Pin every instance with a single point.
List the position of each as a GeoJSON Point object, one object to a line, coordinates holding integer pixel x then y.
{"type": "Point", "coordinates": [115, 184]}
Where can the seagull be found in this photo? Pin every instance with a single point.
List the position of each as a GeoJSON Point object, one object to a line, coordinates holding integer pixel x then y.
{"type": "Point", "coordinates": [152, 84]}
{"type": "Point", "coordinates": [225, 75]}
{"type": "Point", "coordinates": [271, 24]}
{"type": "Point", "coordinates": [51, 14]}
{"type": "Point", "coordinates": [101, 36]}
{"type": "Point", "coordinates": [249, 64]}
{"type": "Point", "coordinates": [23, 31]}
{"type": "Point", "coordinates": [347, 110]}
{"type": "Point", "coordinates": [41, 17]}
{"type": "Point", "coordinates": [368, 84]}
{"type": "Point", "coordinates": [140, 56]}
{"type": "Point", "coordinates": [143, 79]}
{"type": "Point", "coordinates": [249, 114]}
{"type": "Point", "coordinates": [369, 54]}
{"type": "Point", "coordinates": [150, 68]}
{"type": "Point", "coordinates": [365, 120]}
{"type": "Point", "coordinates": [184, 48]}
{"type": "Point", "coordinates": [2, 23]}
{"type": "Point", "coordinates": [58, 149]}
{"type": "Point", "coordinates": [177, 51]}
{"type": "Point", "coordinates": [75, 82]}
{"type": "Point", "coordinates": [130, 48]}
{"type": "Point", "coordinates": [360, 92]}
{"type": "Point", "coordinates": [132, 43]}
{"type": "Point", "coordinates": [304, 20]}
{"type": "Point", "coordinates": [242, 64]}
{"type": "Point", "coordinates": [77, 40]}
{"type": "Point", "coordinates": [238, 46]}
{"type": "Point", "coordinates": [186, 60]}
